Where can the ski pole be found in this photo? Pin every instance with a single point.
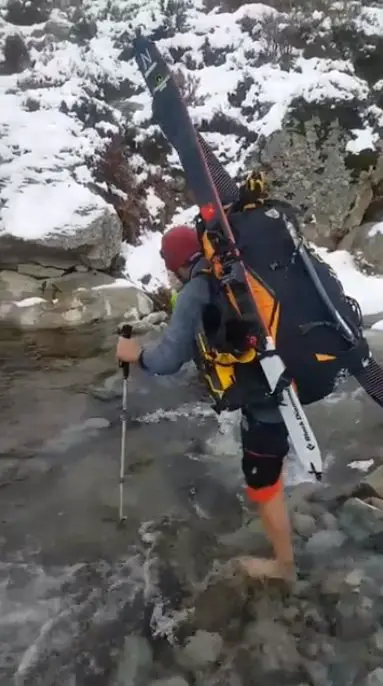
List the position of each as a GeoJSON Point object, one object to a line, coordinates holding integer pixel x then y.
{"type": "Point", "coordinates": [124, 330]}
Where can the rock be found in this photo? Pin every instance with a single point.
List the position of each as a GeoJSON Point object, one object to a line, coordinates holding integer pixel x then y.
{"type": "Point", "coordinates": [324, 541]}
{"type": "Point", "coordinates": [222, 599]}
{"type": "Point", "coordinates": [171, 681]}
{"type": "Point", "coordinates": [300, 495]}
{"type": "Point", "coordinates": [78, 313]}
{"type": "Point", "coordinates": [89, 234]}
{"type": "Point", "coordinates": [375, 481]}
{"type": "Point", "coordinates": [303, 524]}
{"type": "Point", "coordinates": [277, 645]}
{"type": "Point", "coordinates": [333, 582]}
{"type": "Point", "coordinates": [201, 650]}
{"type": "Point", "coordinates": [318, 673]}
{"type": "Point", "coordinates": [316, 177]}
{"type": "Point", "coordinates": [328, 521]}
{"type": "Point", "coordinates": [135, 664]}
{"type": "Point", "coordinates": [223, 676]}
{"type": "Point", "coordinates": [39, 271]}
{"type": "Point", "coordinates": [355, 616]}
{"type": "Point", "coordinates": [354, 578]}
{"type": "Point", "coordinates": [149, 323]}
{"type": "Point", "coordinates": [14, 286]}
{"type": "Point", "coordinates": [360, 520]}
{"type": "Point", "coordinates": [375, 502]}
{"type": "Point", "coordinates": [375, 678]}
{"type": "Point", "coordinates": [366, 240]}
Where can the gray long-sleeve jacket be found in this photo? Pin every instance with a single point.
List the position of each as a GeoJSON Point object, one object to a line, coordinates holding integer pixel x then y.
{"type": "Point", "coordinates": [176, 345]}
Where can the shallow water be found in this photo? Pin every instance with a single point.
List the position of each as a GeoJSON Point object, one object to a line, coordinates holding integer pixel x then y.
{"type": "Point", "coordinates": [71, 584]}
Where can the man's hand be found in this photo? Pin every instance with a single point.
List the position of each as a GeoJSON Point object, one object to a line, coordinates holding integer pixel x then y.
{"type": "Point", "coordinates": [128, 350]}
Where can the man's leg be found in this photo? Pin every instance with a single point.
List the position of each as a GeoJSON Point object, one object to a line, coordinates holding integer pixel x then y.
{"type": "Point", "coordinates": [264, 447]}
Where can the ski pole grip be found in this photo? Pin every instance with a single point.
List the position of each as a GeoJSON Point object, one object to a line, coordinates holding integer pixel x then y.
{"type": "Point", "coordinates": [125, 331]}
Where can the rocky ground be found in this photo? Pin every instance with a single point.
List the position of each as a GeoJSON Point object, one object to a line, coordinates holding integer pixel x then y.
{"type": "Point", "coordinates": [157, 603]}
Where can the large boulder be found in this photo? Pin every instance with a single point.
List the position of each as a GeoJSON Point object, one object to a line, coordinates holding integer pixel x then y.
{"type": "Point", "coordinates": [366, 240]}
{"type": "Point", "coordinates": [72, 315]}
{"type": "Point", "coordinates": [61, 221]}
{"type": "Point", "coordinates": [310, 164]}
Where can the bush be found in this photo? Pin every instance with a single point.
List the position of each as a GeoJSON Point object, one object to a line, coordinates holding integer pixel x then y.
{"type": "Point", "coordinates": [16, 56]}
{"type": "Point", "coordinates": [27, 12]}
{"type": "Point", "coordinates": [275, 40]}
{"type": "Point", "coordinates": [188, 84]}
{"type": "Point", "coordinates": [113, 169]}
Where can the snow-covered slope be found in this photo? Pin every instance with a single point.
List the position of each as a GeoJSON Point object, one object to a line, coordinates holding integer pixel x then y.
{"type": "Point", "coordinates": [241, 72]}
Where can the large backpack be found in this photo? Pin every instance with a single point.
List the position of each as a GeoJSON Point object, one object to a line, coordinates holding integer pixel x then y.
{"type": "Point", "coordinates": [306, 336]}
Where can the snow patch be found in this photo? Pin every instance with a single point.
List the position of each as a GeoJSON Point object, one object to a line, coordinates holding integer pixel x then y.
{"type": "Point", "coordinates": [28, 302]}
{"type": "Point", "coordinates": [38, 210]}
{"type": "Point", "coordinates": [365, 139]}
{"type": "Point", "coordinates": [378, 228]}
{"type": "Point", "coordinates": [368, 290]}
{"type": "Point", "coordinates": [361, 465]}
{"type": "Point", "coordinates": [143, 262]}
{"type": "Point", "coordinates": [378, 326]}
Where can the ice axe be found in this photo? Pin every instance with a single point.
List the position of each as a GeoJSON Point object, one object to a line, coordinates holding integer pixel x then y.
{"type": "Point", "coordinates": [124, 330]}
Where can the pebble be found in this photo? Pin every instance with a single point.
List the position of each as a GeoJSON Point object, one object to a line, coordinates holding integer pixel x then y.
{"type": "Point", "coordinates": [359, 520]}
{"type": "Point", "coordinates": [329, 521]}
{"type": "Point", "coordinates": [172, 681]}
{"type": "Point", "coordinates": [354, 578]}
{"type": "Point", "coordinates": [201, 650]}
{"type": "Point", "coordinates": [324, 541]}
{"type": "Point", "coordinates": [276, 644]}
{"type": "Point", "coordinates": [333, 582]}
{"type": "Point", "coordinates": [318, 673]}
{"type": "Point", "coordinates": [375, 678]}
{"type": "Point", "coordinates": [377, 640]}
{"type": "Point", "coordinates": [354, 616]}
{"type": "Point", "coordinates": [303, 524]}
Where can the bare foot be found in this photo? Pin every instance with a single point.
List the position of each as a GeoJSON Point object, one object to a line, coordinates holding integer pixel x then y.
{"type": "Point", "coordinates": [261, 568]}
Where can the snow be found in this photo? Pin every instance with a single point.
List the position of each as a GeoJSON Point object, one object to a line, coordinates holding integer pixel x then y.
{"type": "Point", "coordinates": [364, 139]}
{"type": "Point", "coordinates": [144, 261]}
{"type": "Point", "coordinates": [361, 465]}
{"type": "Point", "coordinates": [378, 326]}
{"type": "Point", "coordinates": [37, 210]}
{"type": "Point", "coordinates": [368, 290]}
{"type": "Point", "coordinates": [27, 302]}
{"type": "Point", "coordinates": [375, 230]}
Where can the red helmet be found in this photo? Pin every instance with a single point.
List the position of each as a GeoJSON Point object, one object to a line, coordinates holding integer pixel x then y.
{"type": "Point", "coordinates": [179, 245]}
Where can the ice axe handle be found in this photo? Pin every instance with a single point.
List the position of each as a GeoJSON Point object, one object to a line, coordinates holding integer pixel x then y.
{"type": "Point", "coordinates": [125, 331]}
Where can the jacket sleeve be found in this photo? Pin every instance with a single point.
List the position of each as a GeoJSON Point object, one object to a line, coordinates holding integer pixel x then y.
{"type": "Point", "coordinates": [176, 345]}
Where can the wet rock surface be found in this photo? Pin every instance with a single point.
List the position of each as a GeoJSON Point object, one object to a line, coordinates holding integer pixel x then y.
{"type": "Point", "coordinates": [159, 601]}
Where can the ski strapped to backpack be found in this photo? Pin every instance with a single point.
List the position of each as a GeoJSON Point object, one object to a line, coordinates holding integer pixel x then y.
{"type": "Point", "coordinates": [249, 297]}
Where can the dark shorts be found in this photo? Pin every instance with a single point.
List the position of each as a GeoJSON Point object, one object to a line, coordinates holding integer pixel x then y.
{"type": "Point", "coordinates": [264, 445]}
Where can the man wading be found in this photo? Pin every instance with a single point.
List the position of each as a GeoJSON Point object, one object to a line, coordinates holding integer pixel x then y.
{"type": "Point", "coordinates": [313, 354]}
